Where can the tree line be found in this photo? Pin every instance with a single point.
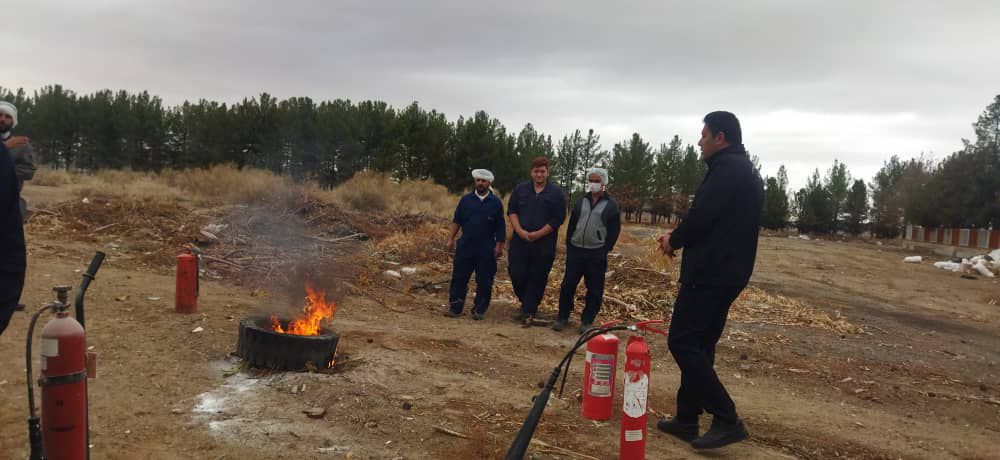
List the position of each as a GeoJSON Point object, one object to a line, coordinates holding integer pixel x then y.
{"type": "Point", "coordinates": [960, 191]}
{"type": "Point", "coordinates": [325, 141]}
{"type": "Point", "coordinates": [329, 141]}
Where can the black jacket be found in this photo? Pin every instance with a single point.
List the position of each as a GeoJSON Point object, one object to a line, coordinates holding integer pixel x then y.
{"type": "Point", "coordinates": [610, 218]}
{"type": "Point", "coordinates": [719, 234]}
{"type": "Point", "coordinates": [12, 250]}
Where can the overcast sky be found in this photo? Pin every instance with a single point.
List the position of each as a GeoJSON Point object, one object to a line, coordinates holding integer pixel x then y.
{"type": "Point", "coordinates": [810, 80]}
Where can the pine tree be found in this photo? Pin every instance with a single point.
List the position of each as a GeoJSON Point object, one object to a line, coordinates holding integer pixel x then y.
{"type": "Point", "coordinates": [691, 172]}
{"type": "Point", "coordinates": [665, 179]}
{"type": "Point", "coordinates": [856, 208]}
{"type": "Point", "coordinates": [774, 214]}
{"type": "Point", "coordinates": [837, 183]}
{"type": "Point", "coordinates": [783, 178]}
{"type": "Point", "coordinates": [631, 169]}
{"type": "Point", "coordinates": [814, 207]}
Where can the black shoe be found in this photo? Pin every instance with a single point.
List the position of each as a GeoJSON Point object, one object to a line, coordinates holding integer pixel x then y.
{"type": "Point", "coordinates": [520, 316]}
{"type": "Point", "coordinates": [452, 314]}
{"type": "Point", "coordinates": [684, 431]}
{"type": "Point", "coordinates": [721, 434]}
{"type": "Point", "coordinates": [585, 327]}
{"type": "Point", "coordinates": [559, 325]}
{"type": "Point", "coordinates": [477, 316]}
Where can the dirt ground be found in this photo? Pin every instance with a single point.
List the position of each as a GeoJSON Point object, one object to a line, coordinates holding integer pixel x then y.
{"type": "Point", "coordinates": [920, 379]}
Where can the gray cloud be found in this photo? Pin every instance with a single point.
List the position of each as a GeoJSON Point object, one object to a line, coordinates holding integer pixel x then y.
{"type": "Point", "coordinates": [811, 80]}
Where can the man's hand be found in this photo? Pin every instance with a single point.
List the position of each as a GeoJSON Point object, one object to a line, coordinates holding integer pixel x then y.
{"type": "Point", "coordinates": [498, 250]}
{"type": "Point", "coordinates": [525, 235]}
{"type": "Point", "coordinates": [451, 244]}
{"type": "Point", "coordinates": [16, 141]}
{"type": "Point", "coordinates": [664, 243]}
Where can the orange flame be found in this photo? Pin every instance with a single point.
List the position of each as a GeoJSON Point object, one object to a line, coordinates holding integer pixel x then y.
{"type": "Point", "coordinates": [316, 310]}
{"type": "Point", "coordinates": [276, 325]}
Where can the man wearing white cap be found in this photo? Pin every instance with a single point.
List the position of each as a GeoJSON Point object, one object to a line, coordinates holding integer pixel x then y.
{"type": "Point", "coordinates": [480, 217]}
{"type": "Point", "coordinates": [594, 226]}
{"type": "Point", "coordinates": [20, 150]}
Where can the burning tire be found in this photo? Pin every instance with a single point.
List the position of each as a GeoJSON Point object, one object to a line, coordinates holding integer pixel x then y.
{"type": "Point", "coordinates": [262, 347]}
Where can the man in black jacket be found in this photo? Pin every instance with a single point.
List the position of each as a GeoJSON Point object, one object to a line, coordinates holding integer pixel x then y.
{"type": "Point", "coordinates": [593, 230]}
{"type": "Point", "coordinates": [719, 242]}
{"type": "Point", "coordinates": [12, 249]}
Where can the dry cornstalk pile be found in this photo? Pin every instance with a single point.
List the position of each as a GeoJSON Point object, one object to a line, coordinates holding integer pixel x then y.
{"type": "Point", "coordinates": [263, 243]}
{"type": "Point", "coordinates": [146, 231]}
{"type": "Point", "coordinates": [274, 243]}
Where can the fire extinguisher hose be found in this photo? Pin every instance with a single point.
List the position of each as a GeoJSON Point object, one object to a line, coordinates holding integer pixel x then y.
{"type": "Point", "coordinates": [519, 447]}
{"type": "Point", "coordinates": [88, 276]}
{"type": "Point", "coordinates": [34, 425]}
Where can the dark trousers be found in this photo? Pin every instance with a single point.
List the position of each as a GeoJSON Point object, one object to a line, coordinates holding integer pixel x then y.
{"type": "Point", "coordinates": [485, 266]}
{"type": "Point", "coordinates": [695, 327]}
{"type": "Point", "coordinates": [11, 284]}
{"type": "Point", "coordinates": [529, 265]}
{"type": "Point", "coordinates": [591, 265]}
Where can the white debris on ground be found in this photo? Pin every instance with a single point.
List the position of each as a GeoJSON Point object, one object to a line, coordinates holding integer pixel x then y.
{"type": "Point", "coordinates": [986, 265]}
{"type": "Point", "coordinates": [913, 259]}
{"type": "Point", "coordinates": [948, 265]}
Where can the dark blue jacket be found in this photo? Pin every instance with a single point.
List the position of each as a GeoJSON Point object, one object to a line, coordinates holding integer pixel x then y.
{"type": "Point", "coordinates": [482, 225]}
{"type": "Point", "coordinates": [12, 249]}
{"type": "Point", "coordinates": [719, 233]}
{"type": "Point", "coordinates": [534, 210]}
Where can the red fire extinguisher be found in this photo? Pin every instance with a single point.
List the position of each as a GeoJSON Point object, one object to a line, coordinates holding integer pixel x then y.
{"type": "Point", "coordinates": [636, 394]}
{"type": "Point", "coordinates": [637, 365]}
{"type": "Point", "coordinates": [64, 386]}
{"type": "Point", "coordinates": [187, 284]}
{"type": "Point", "coordinates": [63, 431]}
{"type": "Point", "coordinates": [599, 377]}
{"type": "Point", "coordinates": [519, 446]}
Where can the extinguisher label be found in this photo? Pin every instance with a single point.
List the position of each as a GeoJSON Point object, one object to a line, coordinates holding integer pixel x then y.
{"type": "Point", "coordinates": [602, 368]}
{"type": "Point", "coordinates": [50, 348]}
{"type": "Point", "coordinates": [636, 389]}
{"type": "Point", "coordinates": [633, 435]}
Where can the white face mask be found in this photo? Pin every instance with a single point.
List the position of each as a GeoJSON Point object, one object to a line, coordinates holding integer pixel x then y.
{"type": "Point", "coordinates": [594, 186]}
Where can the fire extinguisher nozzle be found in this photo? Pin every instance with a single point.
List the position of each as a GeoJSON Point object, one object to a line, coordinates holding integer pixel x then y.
{"type": "Point", "coordinates": [35, 437]}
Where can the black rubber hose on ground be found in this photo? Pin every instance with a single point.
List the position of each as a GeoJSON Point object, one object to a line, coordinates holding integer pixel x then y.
{"type": "Point", "coordinates": [34, 426]}
{"type": "Point", "coordinates": [519, 447]}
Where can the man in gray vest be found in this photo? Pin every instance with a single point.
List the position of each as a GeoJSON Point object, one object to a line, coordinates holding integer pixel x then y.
{"type": "Point", "coordinates": [593, 230]}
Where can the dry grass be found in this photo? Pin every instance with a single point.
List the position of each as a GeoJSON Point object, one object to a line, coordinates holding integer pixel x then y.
{"type": "Point", "coordinates": [425, 243]}
{"type": "Point", "coordinates": [377, 192]}
{"type": "Point", "coordinates": [227, 184]}
{"type": "Point", "coordinates": [137, 188]}
{"type": "Point", "coordinates": [47, 177]}
{"type": "Point", "coordinates": [218, 185]}
{"type": "Point", "coordinates": [758, 306]}
{"type": "Point", "coordinates": [653, 259]}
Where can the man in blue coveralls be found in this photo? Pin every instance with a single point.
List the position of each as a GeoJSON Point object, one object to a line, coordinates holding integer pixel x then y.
{"type": "Point", "coordinates": [480, 216]}
{"type": "Point", "coordinates": [536, 208]}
